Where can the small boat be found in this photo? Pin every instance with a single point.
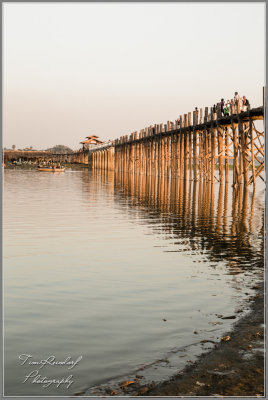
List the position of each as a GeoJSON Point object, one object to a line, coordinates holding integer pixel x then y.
{"type": "Point", "coordinates": [51, 169]}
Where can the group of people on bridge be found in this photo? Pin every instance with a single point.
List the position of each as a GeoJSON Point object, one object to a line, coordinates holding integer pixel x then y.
{"type": "Point", "coordinates": [241, 104]}
{"type": "Point", "coordinates": [236, 105]}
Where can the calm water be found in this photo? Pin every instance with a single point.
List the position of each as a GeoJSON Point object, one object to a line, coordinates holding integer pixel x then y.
{"type": "Point", "coordinates": [94, 263]}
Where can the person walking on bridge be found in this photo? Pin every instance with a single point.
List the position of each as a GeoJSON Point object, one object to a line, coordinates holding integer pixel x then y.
{"type": "Point", "coordinates": [238, 102]}
{"type": "Point", "coordinates": [245, 104]}
{"type": "Point", "coordinates": [222, 107]}
{"type": "Point", "coordinates": [196, 115]}
{"type": "Point", "coordinates": [226, 110]}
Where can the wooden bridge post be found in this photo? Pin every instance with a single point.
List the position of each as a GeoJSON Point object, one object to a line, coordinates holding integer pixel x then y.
{"type": "Point", "coordinates": [116, 157]}
{"type": "Point", "coordinates": [139, 156]}
{"type": "Point", "coordinates": [155, 149]}
{"type": "Point", "coordinates": [195, 122]}
{"type": "Point", "coordinates": [205, 147]}
{"type": "Point", "coordinates": [130, 163]}
{"type": "Point", "coordinates": [220, 152]}
{"type": "Point", "coordinates": [181, 148]}
{"type": "Point", "coordinates": [186, 149]}
{"type": "Point", "coordinates": [134, 163]}
{"type": "Point", "coordinates": [125, 155]}
{"type": "Point", "coordinates": [240, 149]}
{"type": "Point", "coordinates": [178, 148]}
{"type": "Point", "coordinates": [147, 151]}
{"type": "Point", "coordinates": [126, 158]}
{"type": "Point", "coordinates": [149, 158]}
{"type": "Point", "coordinates": [235, 161]}
{"type": "Point", "coordinates": [147, 155]}
{"type": "Point", "coordinates": [108, 162]}
{"type": "Point", "coordinates": [131, 147]}
{"type": "Point", "coordinates": [213, 145]}
{"type": "Point", "coordinates": [140, 153]}
{"type": "Point", "coordinates": [201, 116]}
{"type": "Point", "coordinates": [201, 153]}
{"type": "Point", "coordinates": [190, 146]}
{"type": "Point", "coordinates": [162, 155]}
{"type": "Point", "coordinates": [207, 154]}
{"type": "Point", "coordinates": [134, 150]}
{"type": "Point", "coordinates": [93, 160]}
{"type": "Point", "coordinates": [129, 160]}
{"type": "Point", "coordinates": [168, 158]}
{"type": "Point", "coordinates": [159, 152]}
{"type": "Point", "coordinates": [172, 153]}
{"type": "Point", "coordinates": [135, 154]}
{"type": "Point", "coordinates": [121, 155]}
{"type": "Point", "coordinates": [164, 161]}
{"type": "Point", "coordinates": [175, 153]}
{"type": "Point", "coordinates": [102, 159]}
{"type": "Point", "coordinates": [155, 162]}
{"type": "Point", "coordinates": [150, 152]}
{"type": "Point", "coordinates": [153, 154]}
{"type": "Point", "coordinates": [143, 157]}
{"type": "Point", "coordinates": [245, 150]}
{"type": "Point", "coordinates": [106, 159]}
{"type": "Point", "coordinates": [226, 154]}
{"type": "Point", "coordinates": [252, 152]}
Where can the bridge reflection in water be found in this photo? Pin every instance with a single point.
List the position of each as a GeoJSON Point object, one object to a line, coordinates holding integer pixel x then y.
{"type": "Point", "coordinates": [220, 221]}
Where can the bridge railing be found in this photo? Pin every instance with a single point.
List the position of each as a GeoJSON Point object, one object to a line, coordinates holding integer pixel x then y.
{"type": "Point", "coordinates": [101, 147]}
{"type": "Point", "coordinates": [197, 117]}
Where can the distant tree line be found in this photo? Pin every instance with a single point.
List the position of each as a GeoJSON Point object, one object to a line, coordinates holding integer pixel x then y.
{"type": "Point", "coordinates": [60, 149]}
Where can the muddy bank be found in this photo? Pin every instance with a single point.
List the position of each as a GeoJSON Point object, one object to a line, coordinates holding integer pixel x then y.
{"type": "Point", "coordinates": [233, 368]}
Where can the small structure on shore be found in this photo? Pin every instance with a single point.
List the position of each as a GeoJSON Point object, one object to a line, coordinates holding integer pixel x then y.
{"type": "Point", "coordinates": [91, 141]}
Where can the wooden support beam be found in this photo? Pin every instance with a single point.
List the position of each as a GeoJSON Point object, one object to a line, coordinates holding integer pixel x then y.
{"type": "Point", "coordinates": [236, 160]}
{"type": "Point", "coordinates": [252, 152]}
{"type": "Point", "coordinates": [213, 146]}
{"type": "Point", "coordinates": [220, 153]}
{"type": "Point", "coordinates": [226, 155]}
{"type": "Point", "coordinates": [186, 147]}
{"type": "Point", "coordinates": [181, 149]}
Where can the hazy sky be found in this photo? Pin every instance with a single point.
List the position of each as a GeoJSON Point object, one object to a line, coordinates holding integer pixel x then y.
{"type": "Point", "coordinates": [76, 69]}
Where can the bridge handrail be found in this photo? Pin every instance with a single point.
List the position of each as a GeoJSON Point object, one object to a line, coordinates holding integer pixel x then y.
{"type": "Point", "coordinates": [101, 146]}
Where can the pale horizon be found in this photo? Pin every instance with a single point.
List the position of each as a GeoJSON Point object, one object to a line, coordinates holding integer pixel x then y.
{"type": "Point", "coordinates": [71, 70]}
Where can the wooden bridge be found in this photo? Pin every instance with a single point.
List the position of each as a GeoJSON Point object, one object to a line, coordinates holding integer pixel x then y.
{"type": "Point", "coordinates": [201, 145]}
{"type": "Point", "coordinates": [192, 148]}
